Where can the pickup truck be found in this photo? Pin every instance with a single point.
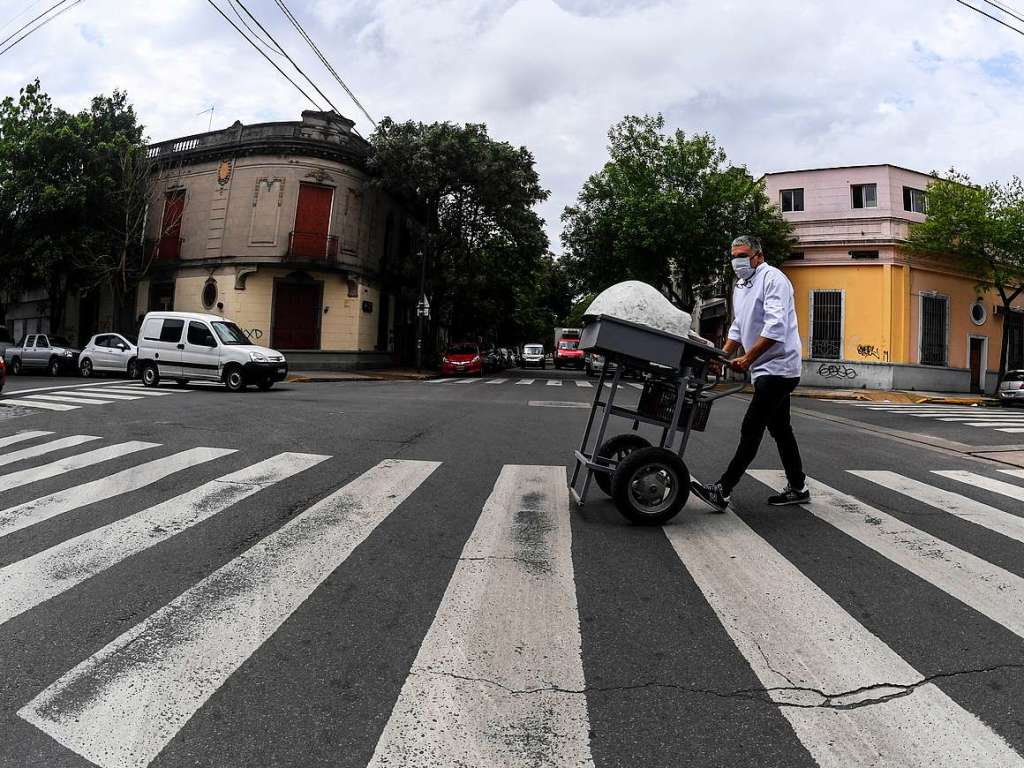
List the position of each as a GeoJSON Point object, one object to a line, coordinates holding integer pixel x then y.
{"type": "Point", "coordinates": [53, 354]}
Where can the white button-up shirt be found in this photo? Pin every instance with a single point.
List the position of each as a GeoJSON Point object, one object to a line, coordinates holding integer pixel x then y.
{"type": "Point", "coordinates": [764, 307]}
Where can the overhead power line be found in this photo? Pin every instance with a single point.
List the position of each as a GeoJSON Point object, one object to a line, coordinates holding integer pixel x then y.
{"type": "Point", "coordinates": [298, 27]}
{"type": "Point", "coordinates": [20, 13]}
{"type": "Point", "coordinates": [996, 19]}
{"type": "Point", "coordinates": [272, 47]}
{"type": "Point", "coordinates": [284, 53]}
{"type": "Point", "coordinates": [262, 53]}
{"type": "Point", "coordinates": [1008, 10]}
{"type": "Point", "coordinates": [38, 26]}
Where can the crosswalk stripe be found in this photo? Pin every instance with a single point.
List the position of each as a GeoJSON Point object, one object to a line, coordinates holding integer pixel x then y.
{"type": "Point", "coordinates": [963, 507]}
{"type": "Point", "coordinates": [980, 585]}
{"type": "Point", "coordinates": [1013, 472]}
{"type": "Point", "coordinates": [21, 437]}
{"type": "Point", "coordinates": [634, 385]}
{"type": "Point", "coordinates": [36, 579]}
{"type": "Point", "coordinates": [51, 389]}
{"type": "Point", "coordinates": [584, 384]}
{"type": "Point", "coordinates": [38, 450]}
{"type": "Point", "coordinates": [980, 418]}
{"type": "Point", "coordinates": [464, 381]}
{"type": "Point", "coordinates": [525, 381]}
{"type": "Point", "coordinates": [496, 381]}
{"type": "Point", "coordinates": [105, 394]}
{"type": "Point", "coordinates": [36, 404]}
{"type": "Point", "coordinates": [1011, 430]}
{"type": "Point", "coordinates": [980, 481]}
{"type": "Point", "coordinates": [554, 382]}
{"type": "Point", "coordinates": [87, 459]}
{"type": "Point", "coordinates": [991, 424]}
{"type": "Point", "coordinates": [35, 511]}
{"type": "Point", "coordinates": [121, 707]}
{"type": "Point", "coordinates": [137, 392]}
{"type": "Point", "coordinates": [850, 698]}
{"type": "Point", "coordinates": [66, 399]}
{"type": "Point", "coordinates": [478, 657]}
{"type": "Point", "coordinates": [438, 381]}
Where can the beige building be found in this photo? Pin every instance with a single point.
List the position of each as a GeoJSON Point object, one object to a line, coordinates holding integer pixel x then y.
{"type": "Point", "coordinates": [276, 227]}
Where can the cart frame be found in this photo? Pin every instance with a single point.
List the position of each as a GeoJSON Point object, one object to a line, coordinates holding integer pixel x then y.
{"type": "Point", "coordinates": [692, 389]}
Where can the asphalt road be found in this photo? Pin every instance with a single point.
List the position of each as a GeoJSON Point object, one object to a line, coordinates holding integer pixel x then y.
{"type": "Point", "coordinates": [390, 574]}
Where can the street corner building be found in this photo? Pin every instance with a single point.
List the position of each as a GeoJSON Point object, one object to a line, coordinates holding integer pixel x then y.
{"type": "Point", "coordinates": [278, 227]}
{"type": "Point", "coordinates": [871, 313]}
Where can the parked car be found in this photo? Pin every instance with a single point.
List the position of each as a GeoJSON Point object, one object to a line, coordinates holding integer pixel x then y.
{"type": "Point", "coordinates": [533, 354]}
{"type": "Point", "coordinates": [53, 354]}
{"type": "Point", "coordinates": [109, 353]}
{"type": "Point", "coordinates": [593, 363]}
{"type": "Point", "coordinates": [3, 374]}
{"type": "Point", "coordinates": [492, 359]}
{"type": "Point", "coordinates": [184, 346]}
{"type": "Point", "coordinates": [6, 340]}
{"type": "Point", "coordinates": [462, 358]}
{"type": "Point", "coordinates": [568, 353]}
{"type": "Point", "coordinates": [1012, 389]}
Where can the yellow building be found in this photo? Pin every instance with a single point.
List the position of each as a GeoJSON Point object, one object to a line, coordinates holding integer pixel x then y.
{"type": "Point", "coordinates": [871, 313]}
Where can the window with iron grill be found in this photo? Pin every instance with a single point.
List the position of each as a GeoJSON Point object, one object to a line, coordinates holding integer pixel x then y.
{"type": "Point", "coordinates": [1014, 340]}
{"type": "Point", "coordinates": [826, 324]}
{"type": "Point", "coordinates": [934, 311]}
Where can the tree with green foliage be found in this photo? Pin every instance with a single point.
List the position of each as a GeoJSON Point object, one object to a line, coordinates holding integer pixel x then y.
{"type": "Point", "coordinates": [483, 243]}
{"type": "Point", "coordinates": [982, 229]}
{"type": "Point", "coordinates": [74, 191]}
{"type": "Point", "coordinates": [664, 209]}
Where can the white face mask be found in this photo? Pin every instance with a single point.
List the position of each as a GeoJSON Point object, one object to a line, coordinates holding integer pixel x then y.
{"type": "Point", "coordinates": [741, 266]}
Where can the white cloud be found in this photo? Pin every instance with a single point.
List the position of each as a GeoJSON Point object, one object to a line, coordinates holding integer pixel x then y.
{"type": "Point", "coordinates": [782, 83]}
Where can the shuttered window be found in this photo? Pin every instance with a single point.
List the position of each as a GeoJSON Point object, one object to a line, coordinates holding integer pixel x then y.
{"type": "Point", "coordinates": [826, 324]}
{"type": "Point", "coordinates": [934, 326]}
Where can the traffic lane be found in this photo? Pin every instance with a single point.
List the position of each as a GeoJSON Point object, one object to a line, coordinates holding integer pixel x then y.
{"type": "Point", "coordinates": [928, 423]}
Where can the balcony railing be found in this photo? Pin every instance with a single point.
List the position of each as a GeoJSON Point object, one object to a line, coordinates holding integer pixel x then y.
{"type": "Point", "coordinates": [167, 248]}
{"type": "Point", "coordinates": [311, 246]}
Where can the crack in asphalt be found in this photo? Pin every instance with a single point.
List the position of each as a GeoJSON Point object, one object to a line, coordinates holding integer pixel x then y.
{"type": "Point", "coordinates": [832, 701]}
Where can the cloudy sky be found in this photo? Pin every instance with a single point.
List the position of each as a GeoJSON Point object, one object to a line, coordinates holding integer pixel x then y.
{"type": "Point", "coordinates": [782, 83]}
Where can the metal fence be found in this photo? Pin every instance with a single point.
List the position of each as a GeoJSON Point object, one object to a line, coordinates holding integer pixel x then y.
{"type": "Point", "coordinates": [826, 324]}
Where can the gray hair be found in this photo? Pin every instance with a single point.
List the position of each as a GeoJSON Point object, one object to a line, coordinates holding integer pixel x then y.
{"type": "Point", "coordinates": [753, 243]}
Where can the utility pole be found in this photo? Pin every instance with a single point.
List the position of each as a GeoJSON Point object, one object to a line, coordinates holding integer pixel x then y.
{"type": "Point", "coordinates": [422, 310]}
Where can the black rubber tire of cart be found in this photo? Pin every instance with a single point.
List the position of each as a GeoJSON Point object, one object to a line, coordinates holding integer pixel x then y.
{"type": "Point", "coordinates": [617, 448]}
{"type": "Point", "coordinates": [650, 486]}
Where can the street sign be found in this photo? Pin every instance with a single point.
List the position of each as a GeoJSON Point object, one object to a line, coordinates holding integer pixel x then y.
{"type": "Point", "coordinates": [423, 307]}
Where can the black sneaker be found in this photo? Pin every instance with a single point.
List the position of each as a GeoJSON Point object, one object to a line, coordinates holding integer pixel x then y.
{"type": "Point", "coordinates": [711, 495]}
{"type": "Point", "coordinates": [789, 496]}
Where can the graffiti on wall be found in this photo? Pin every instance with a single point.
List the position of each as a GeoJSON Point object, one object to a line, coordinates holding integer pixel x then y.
{"type": "Point", "coordinates": [836, 371]}
{"type": "Point", "coordinates": [868, 350]}
{"type": "Point", "coordinates": [254, 334]}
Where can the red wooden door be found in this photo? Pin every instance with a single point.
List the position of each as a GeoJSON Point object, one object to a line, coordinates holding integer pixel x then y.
{"type": "Point", "coordinates": [170, 227]}
{"type": "Point", "coordinates": [312, 222]}
{"type": "Point", "coordinates": [296, 322]}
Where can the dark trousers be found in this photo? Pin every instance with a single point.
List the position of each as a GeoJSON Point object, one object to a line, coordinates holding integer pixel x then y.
{"type": "Point", "coordinates": [768, 409]}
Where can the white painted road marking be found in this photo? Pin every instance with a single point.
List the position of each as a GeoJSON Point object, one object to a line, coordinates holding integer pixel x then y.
{"type": "Point", "coordinates": [29, 582]}
{"type": "Point", "coordinates": [24, 401]}
{"type": "Point", "coordinates": [987, 483]}
{"type": "Point", "coordinates": [52, 389]}
{"type": "Point", "coordinates": [136, 392]}
{"type": "Point", "coordinates": [438, 381]}
{"type": "Point", "coordinates": [558, 404]}
{"type": "Point", "coordinates": [818, 663]}
{"type": "Point", "coordinates": [37, 510]}
{"type": "Point", "coordinates": [21, 437]}
{"type": "Point", "coordinates": [585, 384]}
{"type": "Point", "coordinates": [65, 399]}
{"type": "Point", "coordinates": [39, 450]}
{"type": "Point", "coordinates": [106, 394]}
{"type": "Point", "coordinates": [1013, 472]}
{"type": "Point", "coordinates": [497, 381]}
{"type": "Point", "coordinates": [508, 624]}
{"type": "Point", "coordinates": [525, 381]}
{"type": "Point", "coordinates": [963, 507]}
{"type": "Point", "coordinates": [59, 467]}
{"type": "Point", "coordinates": [554, 382]}
{"type": "Point", "coordinates": [986, 588]}
{"type": "Point", "coordinates": [122, 705]}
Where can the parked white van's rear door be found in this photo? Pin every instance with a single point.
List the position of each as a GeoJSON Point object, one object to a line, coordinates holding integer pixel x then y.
{"type": "Point", "coordinates": [201, 356]}
{"type": "Point", "coordinates": [163, 336]}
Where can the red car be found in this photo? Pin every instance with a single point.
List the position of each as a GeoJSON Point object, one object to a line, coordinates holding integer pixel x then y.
{"type": "Point", "coordinates": [462, 358]}
{"type": "Point", "coordinates": [568, 353]}
{"type": "Point", "coordinates": [3, 373]}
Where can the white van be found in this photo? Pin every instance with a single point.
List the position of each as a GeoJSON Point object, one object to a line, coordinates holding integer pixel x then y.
{"type": "Point", "coordinates": [184, 345]}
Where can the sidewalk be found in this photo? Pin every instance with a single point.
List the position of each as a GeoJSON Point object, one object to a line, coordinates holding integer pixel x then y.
{"type": "Point", "coordinates": [390, 374]}
{"type": "Point", "coordinates": [894, 396]}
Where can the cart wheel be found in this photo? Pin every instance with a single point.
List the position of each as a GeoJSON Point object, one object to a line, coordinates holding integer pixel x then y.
{"type": "Point", "coordinates": [616, 449]}
{"type": "Point", "coordinates": [650, 486]}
